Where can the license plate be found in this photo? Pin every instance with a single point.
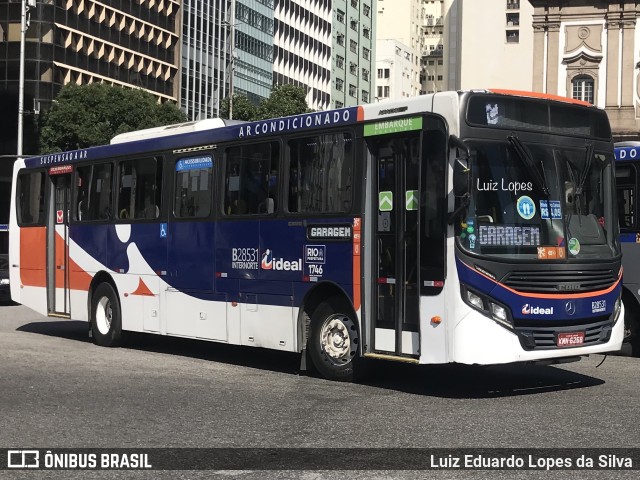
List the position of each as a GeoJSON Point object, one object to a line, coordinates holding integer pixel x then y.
{"type": "Point", "coordinates": [572, 339]}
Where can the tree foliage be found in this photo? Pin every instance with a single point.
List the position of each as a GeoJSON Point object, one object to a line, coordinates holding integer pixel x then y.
{"type": "Point", "coordinates": [87, 115]}
{"type": "Point", "coordinates": [284, 100]}
{"type": "Point", "coordinates": [243, 109]}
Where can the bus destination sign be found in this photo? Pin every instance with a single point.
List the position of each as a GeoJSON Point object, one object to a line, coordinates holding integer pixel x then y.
{"type": "Point", "coordinates": [343, 232]}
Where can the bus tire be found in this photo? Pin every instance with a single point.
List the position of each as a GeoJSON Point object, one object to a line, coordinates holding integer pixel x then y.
{"type": "Point", "coordinates": [106, 322]}
{"type": "Point", "coordinates": [334, 340]}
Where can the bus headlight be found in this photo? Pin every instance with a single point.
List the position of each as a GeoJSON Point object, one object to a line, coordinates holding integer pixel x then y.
{"type": "Point", "coordinates": [475, 300]}
{"type": "Point", "coordinates": [495, 311]}
{"type": "Point", "coordinates": [500, 313]}
{"type": "Point", "coordinates": [617, 308]}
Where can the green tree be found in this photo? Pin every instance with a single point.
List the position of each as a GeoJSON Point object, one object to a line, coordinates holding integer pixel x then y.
{"type": "Point", "coordinates": [284, 100]}
{"type": "Point", "coordinates": [243, 109]}
{"type": "Point", "coordinates": [88, 115]}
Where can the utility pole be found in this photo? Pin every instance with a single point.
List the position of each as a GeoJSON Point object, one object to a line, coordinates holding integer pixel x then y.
{"type": "Point", "coordinates": [24, 25]}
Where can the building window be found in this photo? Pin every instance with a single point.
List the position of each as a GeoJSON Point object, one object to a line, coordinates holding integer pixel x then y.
{"type": "Point", "coordinates": [366, 32]}
{"type": "Point", "coordinates": [353, 46]}
{"type": "Point", "coordinates": [365, 53]}
{"type": "Point", "coordinates": [339, 104]}
{"type": "Point", "coordinates": [365, 96]}
{"type": "Point", "coordinates": [352, 90]}
{"type": "Point", "coordinates": [339, 61]}
{"type": "Point", "coordinates": [366, 9]}
{"type": "Point", "coordinates": [339, 84]}
{"type": "Point", "coordinates": [340, 39]}
{"type": "Point", "coordinates": [353, 68]}
{"type": "Point", "coordinates": [354, 3]}
{"type": "Point", "coordinates": [583, 88]}
{"type": "Point", "coordinates": [513, 36]}
{"type": "Point", "coordinates": [365, 74]}
{"type": "Point", "coordinates": [354, 24]}
{"type": "Point", "coordinates": [340, 16]}
{"type": "Point", "coordinates": [439, 77]}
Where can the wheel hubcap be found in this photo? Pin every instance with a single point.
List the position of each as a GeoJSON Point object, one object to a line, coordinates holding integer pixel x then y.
{"type": "Point", "coordinates": [104, 315]}
{"type": "Point", "coordinates": [338, 339]}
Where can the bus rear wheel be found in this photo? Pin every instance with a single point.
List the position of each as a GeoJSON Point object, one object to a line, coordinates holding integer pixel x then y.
{"type": "Point", "coordinates": [106, 323]}
{"type": "Point", "coordinates": [333, 340]}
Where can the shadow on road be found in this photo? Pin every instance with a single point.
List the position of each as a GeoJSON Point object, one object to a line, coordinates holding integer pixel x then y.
{"type": "Point", "coordinates": [447, 381]}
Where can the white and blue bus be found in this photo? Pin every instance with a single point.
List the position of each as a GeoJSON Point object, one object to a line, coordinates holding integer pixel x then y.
{"type": "Point", "coordinates": [627, 177]}
{"type": "Point", "coordinates": [475, 227]}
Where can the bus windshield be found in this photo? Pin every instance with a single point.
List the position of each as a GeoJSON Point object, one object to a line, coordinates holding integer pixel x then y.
{"type": "Point", "coordinates": [539, 202]}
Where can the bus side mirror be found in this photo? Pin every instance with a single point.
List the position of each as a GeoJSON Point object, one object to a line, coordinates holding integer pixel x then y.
{"type": "Point", "coordinates": [461, 177]}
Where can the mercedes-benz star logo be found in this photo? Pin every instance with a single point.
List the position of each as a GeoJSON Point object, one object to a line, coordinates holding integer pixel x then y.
{"type": "Point", "coordinates": [570, 308]}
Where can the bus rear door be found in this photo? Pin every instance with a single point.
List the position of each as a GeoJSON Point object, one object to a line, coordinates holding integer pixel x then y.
{"type": "Point", "coordinates": [58, 245]}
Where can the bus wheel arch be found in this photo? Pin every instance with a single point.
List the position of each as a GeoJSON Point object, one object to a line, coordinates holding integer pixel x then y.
{"type": "Point", "coordinates": [631, 321]}
{"type": "Point", "coordinates": [105, 313]}
{"type": "Point", "coordinates": [330, 332]}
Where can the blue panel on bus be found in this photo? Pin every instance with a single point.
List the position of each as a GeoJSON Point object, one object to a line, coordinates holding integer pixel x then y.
{"type": "Point", "coordinates": [627, 153]}
{"type": "Point", "coordinates": [266, 257]}
{"type": "Point", "coordinates": [262, 128]}
{"type": "Point", "coordinates": [629, 238]}
{"type": "Point", "coordinates": [191, 258]}
{"type": "Point", "coordinates": [530, 306]}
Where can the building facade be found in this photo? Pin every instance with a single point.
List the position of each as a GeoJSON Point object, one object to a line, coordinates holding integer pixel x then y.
{"type": "Point", "coordinates": [432, 61]}
{"type": "Point", "coordinates": [302, 48]}
{"type": "Point", "coordinates": [214, 65]}
{"type": "Point", "coordinates": [590, 50]}
{"type": "Point", "coordinates": [353, 52]}
{"type": "Point", "coordinates": [400, 34]}
{"type": "Point", "coordinates": [132, 44]}
{"type": "Point", "coordinates": [488, 44]}
{"type": "Point", "coordinates": [396, 73]}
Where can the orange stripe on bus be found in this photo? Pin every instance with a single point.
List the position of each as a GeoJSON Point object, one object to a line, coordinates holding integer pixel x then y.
{"type": "Point", "coordinates": [142, 289]}
{"type": "Point", "coordinates": [33, 246]}
{"type": "Point", "coordinates": [360, 114]}
{"type": "Point", "coordinates": [79, 279]}
{"type": "Point", "coordinates": [356, 263]}
{"type": "Point", "coordinates": [552, 296]}
{"type": "Point", "coordinates": [547, 96]}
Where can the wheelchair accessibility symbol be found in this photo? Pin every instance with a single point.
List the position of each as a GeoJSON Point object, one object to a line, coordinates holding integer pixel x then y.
{"type": "Point", "coordinates": [163, 230]}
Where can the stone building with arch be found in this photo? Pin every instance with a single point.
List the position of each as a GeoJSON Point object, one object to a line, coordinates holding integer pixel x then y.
{"type": "Point", "coordinates": [590, 50]}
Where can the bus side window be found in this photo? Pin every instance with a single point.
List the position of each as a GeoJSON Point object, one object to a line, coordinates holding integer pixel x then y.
{"type": "Point", "coordinates": [30, 199]}
{"type": "Point", "coordinates": [140, 189]}
{"type": "Point", "coordinates": [321, 174]}
{"type": "Point", "coordinates": [193, 187]}
{"type": "Point", "coordinates": [93, 192]}
{"type": "Point", "coordinates": [251, 179]}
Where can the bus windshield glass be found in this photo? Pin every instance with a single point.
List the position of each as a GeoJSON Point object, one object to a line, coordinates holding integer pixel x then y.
{"type": "Point", "coordinates": [543, 202]}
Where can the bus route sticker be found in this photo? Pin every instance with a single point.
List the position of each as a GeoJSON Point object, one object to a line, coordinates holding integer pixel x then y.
{"type": "Point", "coordinates": [526, 207]}
{"type": "Point", "coordinates": [163, 230]}
{"type": "Point", "coordinates": [574, 246]}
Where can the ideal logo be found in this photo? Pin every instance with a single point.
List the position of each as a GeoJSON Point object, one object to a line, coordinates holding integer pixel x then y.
{"type": "Point", "coordinates": [529, 310]}
{"type": "Point", "coordinates": [280, 264]}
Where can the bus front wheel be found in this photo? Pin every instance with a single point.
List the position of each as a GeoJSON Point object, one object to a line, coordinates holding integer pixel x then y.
{"type": "Point", "coordinates": [106, 324]}
{"type": "Point", "coordinates": [333, 340]}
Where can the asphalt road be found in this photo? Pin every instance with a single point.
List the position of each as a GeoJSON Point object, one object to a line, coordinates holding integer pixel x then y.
{"type": "Point", "coordinates": [58, 390]}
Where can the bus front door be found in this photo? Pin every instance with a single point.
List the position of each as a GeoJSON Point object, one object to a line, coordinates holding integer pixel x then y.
{"type": "Point", "coordinates": [58, 247]}
{"type": "Point", "coordinates": [396, 159]}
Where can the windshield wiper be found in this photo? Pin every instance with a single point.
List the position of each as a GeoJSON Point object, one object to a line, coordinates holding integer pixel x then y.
{"type": "Point", "coordinates": [587, 167]}
{"type": "Point", "coordinates": [528, 161]}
